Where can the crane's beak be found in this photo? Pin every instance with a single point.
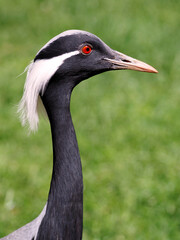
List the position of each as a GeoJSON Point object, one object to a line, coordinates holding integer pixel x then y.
{"type": "Point", "coordinates": [122, 61]}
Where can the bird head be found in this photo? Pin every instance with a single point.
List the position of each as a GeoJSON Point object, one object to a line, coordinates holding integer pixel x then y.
{"type": "Point", "coordinates": [73, 55]}
{"type": "Point", "coordinates": [84, 55]}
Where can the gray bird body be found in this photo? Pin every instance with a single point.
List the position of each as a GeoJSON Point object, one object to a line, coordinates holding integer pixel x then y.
{"type": "Point", "coordinates": [28, 231]}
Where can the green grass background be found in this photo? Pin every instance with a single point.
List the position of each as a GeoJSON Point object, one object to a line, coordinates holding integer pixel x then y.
{"type": "Point", "coordinates": [127, 123]}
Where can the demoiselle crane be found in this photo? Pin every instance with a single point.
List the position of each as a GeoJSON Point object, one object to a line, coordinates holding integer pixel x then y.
{"type": "Point", "coordinates": [58, 67]}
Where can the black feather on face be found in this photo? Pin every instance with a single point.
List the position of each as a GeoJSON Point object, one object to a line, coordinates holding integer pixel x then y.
{"type": "Point", "coordinates": [80, 65]}
{"type": "Point", "coordinates": [70, 42]}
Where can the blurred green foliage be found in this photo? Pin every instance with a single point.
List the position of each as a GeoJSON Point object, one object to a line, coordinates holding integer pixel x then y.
{"type": "Point", "coordinates": [127, 123]}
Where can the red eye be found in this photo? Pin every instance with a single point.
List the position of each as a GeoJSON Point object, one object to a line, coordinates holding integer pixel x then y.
{"type": "Point", "coordinates": [86, 49]}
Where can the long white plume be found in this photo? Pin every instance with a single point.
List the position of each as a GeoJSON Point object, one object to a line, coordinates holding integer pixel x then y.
{"type": "Point", "coordinates": [38, 75]}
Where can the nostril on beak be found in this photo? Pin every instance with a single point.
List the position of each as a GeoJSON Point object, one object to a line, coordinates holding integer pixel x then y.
{"type": "Point", "coordinates": [125, 60]}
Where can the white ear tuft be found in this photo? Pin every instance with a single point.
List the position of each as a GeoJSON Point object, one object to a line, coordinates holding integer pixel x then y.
{"type": "Point", "coordinates": [28, 105]}
{"type": "Point", "coordinates": [38, 75]}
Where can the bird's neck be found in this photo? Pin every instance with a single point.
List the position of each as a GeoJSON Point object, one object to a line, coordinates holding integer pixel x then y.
{"type": "Point", "coordinates": [64, 215]}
